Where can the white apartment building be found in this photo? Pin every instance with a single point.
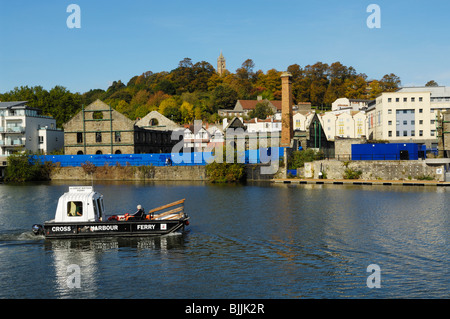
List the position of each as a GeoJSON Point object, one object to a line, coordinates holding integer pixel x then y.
{"type": "Point", "coordinates": [23, 128]}
{"type": "Point", "coordinates": [348, 124]}
{"type": "Point", "coordinates": [408, 115]}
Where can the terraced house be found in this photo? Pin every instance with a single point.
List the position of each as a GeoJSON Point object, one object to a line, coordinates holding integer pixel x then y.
{"type": "Point", "coordinates": [99, 129]}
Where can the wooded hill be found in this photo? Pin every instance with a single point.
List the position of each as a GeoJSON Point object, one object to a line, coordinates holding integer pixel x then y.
{"type": "Point", "coordinates": [197, 91]}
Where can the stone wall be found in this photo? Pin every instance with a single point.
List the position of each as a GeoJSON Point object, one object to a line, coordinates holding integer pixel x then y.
{"type": "Point", "coordinates": [142, 173]}
{"type": "Point", "coordinates": [375, 170]}
{"type": "Point", "coordinates": [152, 173]}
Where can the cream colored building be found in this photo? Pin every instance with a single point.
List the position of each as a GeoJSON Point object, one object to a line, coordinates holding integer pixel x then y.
{"type": "Point", "coordinates": [349, 124]}
{"type": "Point", "coordinates": [301, 120]}
{"type": "Point", "coordinates": [408, 115]}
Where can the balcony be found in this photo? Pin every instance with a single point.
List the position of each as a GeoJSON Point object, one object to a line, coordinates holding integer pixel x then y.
{"type": "Point", "coordinates": [12, 143]}
{"type": "Point", "coordinates": [13, 129]}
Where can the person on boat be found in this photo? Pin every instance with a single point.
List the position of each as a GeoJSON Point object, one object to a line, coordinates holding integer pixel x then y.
{"type": "Point", "coordinates": [140, 214]}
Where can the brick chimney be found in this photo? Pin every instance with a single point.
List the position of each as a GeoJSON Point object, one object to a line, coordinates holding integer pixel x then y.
{"type": "Point", "coordinates": [287, 131]}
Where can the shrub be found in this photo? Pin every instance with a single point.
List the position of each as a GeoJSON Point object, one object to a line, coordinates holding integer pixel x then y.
{"type": "Point", "coordinates": [225, 172]}
{"type": "Point", "coordinates": [24, 168]}
{"type": "Point", "coordinates": [299, 158]}
{"type": "Point", "coordinates": [352, 174]}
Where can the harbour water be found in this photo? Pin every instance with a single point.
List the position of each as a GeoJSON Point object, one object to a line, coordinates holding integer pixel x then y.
{"type": "Point", "coordinates": [261, 241]}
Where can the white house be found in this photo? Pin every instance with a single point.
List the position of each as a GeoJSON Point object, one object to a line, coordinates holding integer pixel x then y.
{"type": "Point", "coordinates": [198, 136]}
{"type": "Point", "coordinates": [23, 128]}
{"type": "Point", "coordinates": [269, 125]}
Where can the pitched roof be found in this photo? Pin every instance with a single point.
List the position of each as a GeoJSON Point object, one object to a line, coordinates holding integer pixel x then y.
{"type": "Point", "coordinates": [251, 104]}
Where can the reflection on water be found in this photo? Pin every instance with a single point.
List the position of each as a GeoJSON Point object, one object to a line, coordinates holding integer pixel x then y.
{"type": "Point", "coordinates": [255, 241]}
{"type": "Point", "coordinates": [88, 254]}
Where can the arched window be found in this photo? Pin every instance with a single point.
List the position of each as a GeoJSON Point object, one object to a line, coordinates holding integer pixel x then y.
{"type": "Point", "coordinates": [118, 152]}
{"type": "Point", "coordinates": [80, 153]}
{"type": "Point", "coordinates": [153, 122]}
{"type": "Point", "coordinates": [99, 152]}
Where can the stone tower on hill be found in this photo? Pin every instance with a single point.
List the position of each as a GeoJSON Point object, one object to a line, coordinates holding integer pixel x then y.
{"type": "Point", "coordinates": [221, 64]}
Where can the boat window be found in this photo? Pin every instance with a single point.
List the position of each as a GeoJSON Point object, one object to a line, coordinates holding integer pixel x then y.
{"type": "Point", "coordinates": [95, 208]}
{"type": "Point", "coordinates": [74, 209]}
{"type": "Point", "coordinates": [100, 209]}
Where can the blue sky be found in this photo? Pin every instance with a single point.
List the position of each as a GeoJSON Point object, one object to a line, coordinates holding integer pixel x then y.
{"type": "Point", "coordinates": [120, 39]}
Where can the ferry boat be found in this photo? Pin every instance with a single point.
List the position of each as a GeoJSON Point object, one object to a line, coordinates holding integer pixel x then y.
{"type": "Point", "coordinates": [80, 214]}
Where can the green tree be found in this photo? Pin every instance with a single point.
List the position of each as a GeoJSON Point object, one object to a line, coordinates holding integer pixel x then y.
{"type": "Point", "coordinates": [224, 97]}
{"type": "Point", "coordinates": [262, 110]}
{"type": "Point", "coordinates": [431, 83]}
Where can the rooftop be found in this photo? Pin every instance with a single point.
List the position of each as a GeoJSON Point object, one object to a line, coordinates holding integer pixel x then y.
{"type": "Point", "coordinates": [436, 91]}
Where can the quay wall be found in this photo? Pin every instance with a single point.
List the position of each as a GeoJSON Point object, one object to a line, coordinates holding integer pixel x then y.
{"type": "Point", "coordinates": [332, 169]}
{"type": "Point", "coordinates": [115, 173]}
{"type": "Point", "coordinates": [154, 173]}
{"type": "Point", "coordinates": [375, 170]}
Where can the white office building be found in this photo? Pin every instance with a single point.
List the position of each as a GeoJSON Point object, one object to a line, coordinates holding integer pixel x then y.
{"type": "Point", "coordinates": [408, 115]}
{"type": "Point", "coordinates": [23, 128]}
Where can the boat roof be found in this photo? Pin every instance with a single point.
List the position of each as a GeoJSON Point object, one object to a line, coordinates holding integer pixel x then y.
{"type": "Point", "coordinates": [79, 193]}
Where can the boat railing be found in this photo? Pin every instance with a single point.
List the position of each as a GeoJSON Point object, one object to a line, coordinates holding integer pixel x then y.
{"type": "Point", "coordinates": [173, 210]}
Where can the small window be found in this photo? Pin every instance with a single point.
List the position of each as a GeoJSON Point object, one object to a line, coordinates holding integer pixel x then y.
{"type": "Point", "coordinates": [413, 99]}
{"type": "Point", "coordinates": [420, 133]}
{"type": "Point", "coordinates": [74, 209]}
{"type": "Point", "coordinates": [389, 100]}
{"type": "Point", "coordinates": [117, 137]}
{"type": "Point", "coordinates": [420, 110]}
{"type": "Point", "coordinates": [413, 133]}
{"type": "Point", "coordinates": [79, 138]}
{"type": "Point", "coordinates": [98, 137]}
{"type": "Point", "coordinates": [405, 99]}
{"type": "Point", "coordinates": [390, 133]}
{"type": "Point", "coordinates": [405, 133]}
{"type": "Point", "coordinates": [420, 99]}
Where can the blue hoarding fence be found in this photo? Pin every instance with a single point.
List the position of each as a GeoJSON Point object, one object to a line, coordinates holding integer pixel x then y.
{"type": "Point", "coordinates": [258, 156]}
{"type": "Point", "coordinates": [385, 152]}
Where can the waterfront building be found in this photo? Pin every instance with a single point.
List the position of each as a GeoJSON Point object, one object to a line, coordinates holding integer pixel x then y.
{"type": "Point", "coordinates": [344, 124]}
{"type": "Point", "coordinates": [99, 129]}
{"type": "Point", "coordinates": [408, 115]}
{"type": "Point", "coordinates": [23, 128]}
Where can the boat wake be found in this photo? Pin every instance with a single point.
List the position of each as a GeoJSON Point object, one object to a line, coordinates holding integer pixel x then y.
{"type": "Point", "coordinates": [23, 236]}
